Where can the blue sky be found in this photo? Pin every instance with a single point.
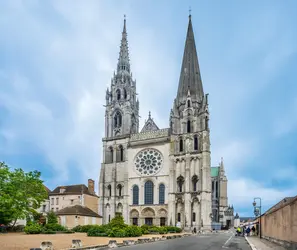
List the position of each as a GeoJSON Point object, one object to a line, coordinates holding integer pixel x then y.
{"type": "Point", "coordinates": [57, 58]}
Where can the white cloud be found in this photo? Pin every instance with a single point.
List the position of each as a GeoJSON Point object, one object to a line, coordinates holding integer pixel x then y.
{"type": "Point", "coordinates": [243, 191]}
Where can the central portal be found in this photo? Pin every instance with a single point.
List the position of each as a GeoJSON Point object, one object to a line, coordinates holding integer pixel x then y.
{"type": "Point", "coordinates": [149, 221]}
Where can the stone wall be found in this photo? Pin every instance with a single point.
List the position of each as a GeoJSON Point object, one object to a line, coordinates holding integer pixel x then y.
{"type": "Point", "coordinates": [280, 224]}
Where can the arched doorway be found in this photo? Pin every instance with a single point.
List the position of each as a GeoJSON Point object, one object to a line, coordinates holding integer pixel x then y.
{"type": "Point", "coordinates": [134, 217]}
{"type": "Point", "coordinates": [162, 214]}
{"type": "Point", "coordinates": [149, 215]}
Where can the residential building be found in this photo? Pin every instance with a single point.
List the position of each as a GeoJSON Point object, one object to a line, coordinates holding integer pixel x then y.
{"type": "Point", "coordinates": [65, 196]}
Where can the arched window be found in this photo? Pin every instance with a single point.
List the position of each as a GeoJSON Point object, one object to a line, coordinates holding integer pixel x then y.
{"type": "Point", "coordinates": [189, 104]}
{"type": "Point", "coordinates": [118, 93]}
{"type": "Point", "coordinates": [161, 194]}
{"type": "Point", "coordinates": [109, 155]}
{"type": "Point", "coordinates": [120, 189]}
{"type": "Point", "coordinates": [180, 182]}
{"type": "Point", "coordinates": [181, 145]}
{"type": "Point", "coordinates": [195, 142]}
{"type": "Point", "coordinates": [194, 217]}
{"type": "Point", "coordinates": [194, 182]}
{"type": "Point", "coordinates": [188, 126]}
{"type": "Point", "coordinates": [125, 94]}
{"type": "Point", "coordinates": [109, 189]}
{"type": "Point", "coordinates": [149, 192]}
{"type": "Point", "coordinates": [120, 153]}
{"type": "Point", "coordinates": [135, 195]}
{"type": "Point", "coordinates": [117, 120]}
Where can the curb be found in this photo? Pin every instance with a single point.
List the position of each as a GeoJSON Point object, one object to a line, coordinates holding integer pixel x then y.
{"type": "Point", "coordinates": [251, 244]}
{"type": "Point", "coordinates": [114, 244]}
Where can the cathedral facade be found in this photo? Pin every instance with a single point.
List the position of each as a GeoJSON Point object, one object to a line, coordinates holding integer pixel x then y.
{"type": "Point", "coordinates": [157, 176]}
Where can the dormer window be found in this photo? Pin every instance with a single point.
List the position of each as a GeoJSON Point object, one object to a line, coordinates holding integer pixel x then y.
{"type": "Point", "coordinates": [62, 190]}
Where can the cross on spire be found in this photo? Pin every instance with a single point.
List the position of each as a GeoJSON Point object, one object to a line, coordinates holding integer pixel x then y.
{"type": "Point", "coordinates": [190, 11]}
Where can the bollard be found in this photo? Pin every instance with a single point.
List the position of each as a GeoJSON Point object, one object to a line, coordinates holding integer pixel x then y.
{"type": "Point", "coordinates": [47, 245]}
{"type": "Point", "coordinates": [112, 244]}
{"type": "Point", "coordinates": [76, 244]}
{"type": "Point", "coordinates": [128, 242]}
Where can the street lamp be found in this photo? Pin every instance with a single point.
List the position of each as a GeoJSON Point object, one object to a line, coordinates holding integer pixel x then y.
{"type": "Point", "coordinates": [257, 212]}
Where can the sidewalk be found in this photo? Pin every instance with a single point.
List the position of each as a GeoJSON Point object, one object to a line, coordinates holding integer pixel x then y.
{"type": "Point", "coordinates": [260, 244]}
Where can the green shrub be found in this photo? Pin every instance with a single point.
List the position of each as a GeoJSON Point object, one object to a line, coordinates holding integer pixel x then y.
{"type": "Point", "coordinates": [68, 232]}
{"type": "Point", "coordinates": [98, 231]}
{"type": "Point", "coordinates": [48, 232]}
{"type": "Point", "coordinates": [133, 231]}
{"type": "Point", "coordinates": [173, 229]}
{"type": "Point", "coordinates": [117, 232]}
{"type": "Point", "coordinates": [117, 222]}
{"type": "Point", "coordinates": [55, 227]}
{"type": "Point", "coordinates": [34, 228]}
{"type": "Point", "coordinates": [52, 218]}
{"type": "Point", "coordinates": [83, 229]}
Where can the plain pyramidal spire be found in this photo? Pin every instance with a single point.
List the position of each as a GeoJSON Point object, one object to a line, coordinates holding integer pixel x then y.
{"type": "Point", "coordinates": [190, 78]}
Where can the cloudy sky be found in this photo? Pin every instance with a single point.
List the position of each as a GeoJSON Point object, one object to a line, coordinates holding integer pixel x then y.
{"type": "Point", "coordinates": [57, 59]}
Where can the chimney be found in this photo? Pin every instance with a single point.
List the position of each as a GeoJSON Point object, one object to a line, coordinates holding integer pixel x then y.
{"type": "Point", "coordinates": [91, 186]}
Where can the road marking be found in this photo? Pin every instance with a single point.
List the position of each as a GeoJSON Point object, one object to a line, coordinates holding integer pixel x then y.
{"type": "Point", "coordinates": [224, 246]}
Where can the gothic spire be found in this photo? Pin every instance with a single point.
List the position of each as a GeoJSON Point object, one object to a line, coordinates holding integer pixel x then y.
{"type": "Point", "coordinates": [124, 61]}
{"type": "Point", "coordinates": [190, 79]}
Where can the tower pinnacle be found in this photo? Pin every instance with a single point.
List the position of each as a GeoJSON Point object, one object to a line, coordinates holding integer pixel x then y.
{"type": "Point", "coordinates": [124, 61]}
{"type": "Point", "coordinates": [190, 78]}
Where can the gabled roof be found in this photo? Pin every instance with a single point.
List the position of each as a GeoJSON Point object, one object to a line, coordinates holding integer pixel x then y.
{"type": "Point", "coordinates": [149, 125]}
{"type": "Point", "coordinates": [47, 189]}
{"type": "Point", "coordinates": [72, 189]}
{"type": "Point", "coordinates": [78, 210]}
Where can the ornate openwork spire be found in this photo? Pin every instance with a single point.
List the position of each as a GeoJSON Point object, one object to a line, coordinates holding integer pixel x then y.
{"type": "Point", "coordinates": [190, 78]}
{"type": "Point", "coordinates": [124, 61]}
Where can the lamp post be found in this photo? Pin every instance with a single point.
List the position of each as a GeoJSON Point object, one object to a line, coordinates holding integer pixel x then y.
{"type": "Point", "coordinates": [257, 212]}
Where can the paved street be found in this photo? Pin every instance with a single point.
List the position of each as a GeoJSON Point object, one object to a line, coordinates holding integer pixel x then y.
{"type": "Point", "coordinates": [202, 242]}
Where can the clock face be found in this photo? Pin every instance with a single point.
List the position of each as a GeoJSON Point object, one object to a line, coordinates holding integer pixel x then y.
{"type": "Point", "coordinates": [148, 162]}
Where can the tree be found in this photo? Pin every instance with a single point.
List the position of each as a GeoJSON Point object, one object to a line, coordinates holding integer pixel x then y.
{"type": "Point", "coordinates": [20, 194]}
{"type": "Point", "coordinates": [52, 218]}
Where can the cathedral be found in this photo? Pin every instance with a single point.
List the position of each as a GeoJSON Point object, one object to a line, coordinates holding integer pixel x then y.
{"type": "Point", "coordinates": [161, 176]}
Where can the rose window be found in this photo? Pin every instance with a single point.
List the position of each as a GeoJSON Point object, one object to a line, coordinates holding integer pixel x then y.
{"type": "Point", "coordinates": [148, 162]}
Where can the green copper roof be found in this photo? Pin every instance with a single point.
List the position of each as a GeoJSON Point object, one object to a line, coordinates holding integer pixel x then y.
{"type": "Point", "coordinates": [214, 171]}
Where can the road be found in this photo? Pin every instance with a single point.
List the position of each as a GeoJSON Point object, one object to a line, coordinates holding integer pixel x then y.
{"type": "Point", "coordinates": [216, 241]}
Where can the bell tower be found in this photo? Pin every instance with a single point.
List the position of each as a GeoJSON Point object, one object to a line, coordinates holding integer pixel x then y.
{"type": "Point", "coordinates": [122, 107]}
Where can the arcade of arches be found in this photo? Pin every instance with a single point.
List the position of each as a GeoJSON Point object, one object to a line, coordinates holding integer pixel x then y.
{"type": "Point", "coordinates": [149, 216]}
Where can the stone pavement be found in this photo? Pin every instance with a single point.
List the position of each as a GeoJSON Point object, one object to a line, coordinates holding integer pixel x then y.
{"type": "Point", "coordinates": [261, 244]}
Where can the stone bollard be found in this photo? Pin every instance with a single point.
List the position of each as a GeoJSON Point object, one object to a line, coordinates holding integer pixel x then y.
{"type": "Point", "coordinates": [112, 244]}
{"type": "Point", "coordinates": [156, 238]}
{"type": "Point", "coordinates": [128, 242]}
{"type": "Point", "coordinates": [76, 244]}
{"type": "Point", "coordinates": [143, 240]}
{"type": "Point", "coordinates": [47, 245]}
{"type": "Point", "coordinates": [35, 248]}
